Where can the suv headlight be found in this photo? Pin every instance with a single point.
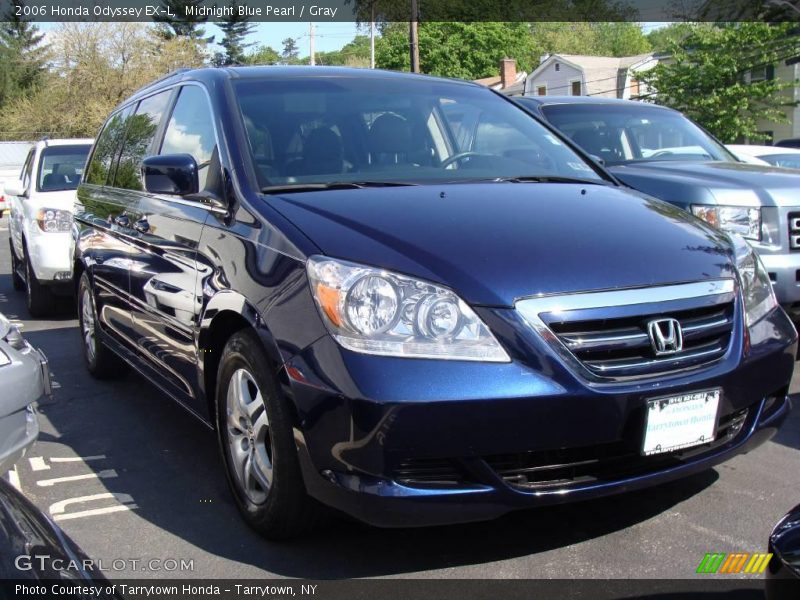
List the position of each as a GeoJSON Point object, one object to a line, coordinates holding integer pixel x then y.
{"type": "Point", "coordinates": [759, 297]}
{"type": "Point", "coordinates": [375, 311]}
{"type": "Point", "coordinates": [740, 220]}
{"type": "Point", "coordinates": [53, 220]}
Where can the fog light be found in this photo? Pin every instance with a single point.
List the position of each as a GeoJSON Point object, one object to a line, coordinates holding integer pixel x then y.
{"type": "Point", "coordinates": [63, 275]}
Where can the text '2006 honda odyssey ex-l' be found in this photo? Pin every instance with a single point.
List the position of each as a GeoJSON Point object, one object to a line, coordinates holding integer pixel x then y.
{"type": "Point", "coordinates": [403, 297]}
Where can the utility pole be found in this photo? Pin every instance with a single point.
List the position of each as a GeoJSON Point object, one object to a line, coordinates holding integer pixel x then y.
{"type": "Point", "coordinates": [312, 60]}
{"type": "Point", "coordinates": [372, 37]}
{"type": "Point", "coordinates": [414, 38]}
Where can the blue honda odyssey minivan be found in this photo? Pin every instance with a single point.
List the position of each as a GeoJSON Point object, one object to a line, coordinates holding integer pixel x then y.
{"type": "Point", "coordinates": [404, 298]}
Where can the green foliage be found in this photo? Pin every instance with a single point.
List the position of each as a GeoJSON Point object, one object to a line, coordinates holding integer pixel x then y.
{"type": "Point", "coordinates": [235, 30]}
{"type": "Point", "coordinates": [264, 55]}
{"type": "Point", "coordinates": [457, 49]}
{"type": "Point", "coordinates": [22, 55]}
{"type": "Point", "coordinates": [590, 38]}
{"type": "Point", "coordinates": [353, 54]}
{"type": "Point", "coordinates": [662, 38]}
{"type": "Point", "coordinates": [707, 77]}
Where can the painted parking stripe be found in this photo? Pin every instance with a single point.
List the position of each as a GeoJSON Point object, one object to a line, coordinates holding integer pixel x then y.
{"type": "Point", "coordinates": [58, 509]}
{"type": "Point", "coordinates": [101, 475]}
{"type": "Point", "coordinates": [40, 464]}
{"type": "Point", "coordinates": [13, 479]}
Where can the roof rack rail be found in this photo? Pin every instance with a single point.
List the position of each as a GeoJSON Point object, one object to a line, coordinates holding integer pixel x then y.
{"type": "Point", "coordinates": [164, 78]}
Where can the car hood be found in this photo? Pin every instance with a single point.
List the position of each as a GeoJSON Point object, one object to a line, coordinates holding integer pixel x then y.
{"type": "Point", "coordinates": [497, 242]}
{"type": "Point", "coordinates": [690, 182]}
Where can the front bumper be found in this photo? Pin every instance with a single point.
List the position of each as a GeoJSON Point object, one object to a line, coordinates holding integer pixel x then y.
{"type": "Point", "coordinates": [51, 257]}
{"type": "Point", "coordinates": [405, 442]}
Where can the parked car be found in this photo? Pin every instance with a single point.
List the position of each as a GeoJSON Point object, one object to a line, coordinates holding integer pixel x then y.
{"type": "Point", "coordinates": [415, 303]}
{"type": "Point", "coordinates": [789, 143]}
{"type": "Point", "coordinates": [12, 157]}
{"type": "Point", "coordinates": [660, 152]}
{"type": "Point", "coordinates": [783, 571]}
{"type": "Point", "coordinates": [40, 221]}
{"type": "Point", "coordinates": [34, 551]}
{"type": "Point", "coordinates": [24, 379]}
{"type": "Point", "coordinates": [776, 156]}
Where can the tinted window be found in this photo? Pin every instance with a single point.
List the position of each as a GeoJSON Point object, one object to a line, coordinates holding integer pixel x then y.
{"type": "Point", "coordinates": [789, 161]}
{"type": "Point", "coordinates": [61, 167]}
{"type": "Point", "coordinates": [106, 148]}
{"type": "Point", "coordinates": [139, 133]}
{"type": "Point", "coordinates": [634, 131]}
{"type": "Point", "coordinates": [317, 130]}
{"type": "Point", "coordinates": [191, 131]}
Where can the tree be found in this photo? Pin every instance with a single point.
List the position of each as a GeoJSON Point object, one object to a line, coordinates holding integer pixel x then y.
{"type": "Point", "coordinates": [353, 54]}
{"type": "Point", "coordinates": [186, 21]}
{"type": "Point", "coordinates": [264, 55]}
{"type": "Point", "coordinates": [290, 52]}
{"type": "Point", "coordinates": [591, 38]}
{"type": "Point", "coordinates": [21, 53]}
{"type": "Point", "coordinates": [442, 44]}
{"type": "Point", "coordinates": [235, 29]}
{"type": "Point", "coordinates": [661, 38]}
{"type": "Point", "coordinates": [722, 77]}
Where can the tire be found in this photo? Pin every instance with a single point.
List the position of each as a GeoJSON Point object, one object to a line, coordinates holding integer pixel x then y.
{"type": "Point", "coordinates": [101, 362]}
{"type": "Point", "coordinates": [38, 298]}
{"type": "Point", "coordinates": [252, 416]}
{"type": "Point", "coordinates": [17, 281]}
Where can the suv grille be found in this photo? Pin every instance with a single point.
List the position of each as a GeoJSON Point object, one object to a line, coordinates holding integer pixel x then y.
{"type": "Point", "coordinates": [605, 335]}
{"type": "Point", "coordinates": [794, 230]}
{"type": "Point", "coordinates": [622, 346]}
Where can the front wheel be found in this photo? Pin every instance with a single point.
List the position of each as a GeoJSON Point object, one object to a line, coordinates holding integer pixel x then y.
{"type": "Point", "coordinates": [257, 444]}
{"type": "Point", "coordinates": [17, 280]}
{"type": "Point", "coordinates": [38, 298]}
{"type": "Point", "coordinates": [101, 362]}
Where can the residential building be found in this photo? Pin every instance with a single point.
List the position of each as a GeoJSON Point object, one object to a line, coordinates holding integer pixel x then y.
{"type": "Point", "coordinates": [510, 81]}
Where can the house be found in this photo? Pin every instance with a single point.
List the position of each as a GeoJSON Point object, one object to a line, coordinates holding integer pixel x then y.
{"type": "Point", "coordinates": [509, 81]}
{"type": "Point", "coordinates": [579, 75]}
{"type": "Point", "coordinates": [786, 70]}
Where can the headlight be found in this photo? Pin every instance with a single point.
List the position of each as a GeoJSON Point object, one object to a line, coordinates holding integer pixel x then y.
{"type": "Point", "coordinates": [374, 311]}
{"type": "Point", "coordinates": [741, 220]}
{"type": "Point", "coordinates": [759, 297]}
{"type": "Point", "coordinates": [52, 220]}
{"type": "Point", "coordinates": [11, 334]}
{"type": "Point", "coordinates": [4, 360]}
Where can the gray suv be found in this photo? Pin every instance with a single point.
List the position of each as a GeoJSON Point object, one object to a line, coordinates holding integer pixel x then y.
{"type": "Point", "coordinates": [660, 152]}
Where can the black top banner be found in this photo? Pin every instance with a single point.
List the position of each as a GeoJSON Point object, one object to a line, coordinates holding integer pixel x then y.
{"type": "Point", "coordinates": [400, 10]}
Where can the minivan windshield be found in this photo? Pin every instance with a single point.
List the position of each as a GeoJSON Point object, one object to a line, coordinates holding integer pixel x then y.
{"type": "Point", "coordinates": [368, 130]}
{"type": "Point", "coordinates": [634, 132]}
{"type": "Point", "coordinates": [61, 167]}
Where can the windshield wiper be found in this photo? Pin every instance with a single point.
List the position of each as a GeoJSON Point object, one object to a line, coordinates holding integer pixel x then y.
{"type": "Point", "coordinates": [546, 179]}
{"type": "Point", "coordinates": [333, 185]}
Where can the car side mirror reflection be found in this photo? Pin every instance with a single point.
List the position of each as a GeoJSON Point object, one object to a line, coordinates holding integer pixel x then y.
{"type": "Point", "coordinates": [174, 174]}
{"type": "Point", "coordinates": [14, 188]}
{"type": "Point", "coordinates": [597, 159]}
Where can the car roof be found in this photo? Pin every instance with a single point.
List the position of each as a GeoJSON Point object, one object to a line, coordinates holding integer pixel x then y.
{"type": "Point", "coordinates": [211, 75]}
{"type": "Point", "coordinates": [548, 100]}
{"type": "Point", "coordinates": [65, 142]}
{"type": "Point", "coordinates": [756, 150]}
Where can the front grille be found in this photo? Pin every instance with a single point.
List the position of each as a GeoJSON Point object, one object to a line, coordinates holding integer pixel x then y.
{"type": "Point", "coordinates": [570, 467]}
{"type": "Point", "coordinates": [622, 347]}
{"type": "Point", "coordinates": [794, 230]}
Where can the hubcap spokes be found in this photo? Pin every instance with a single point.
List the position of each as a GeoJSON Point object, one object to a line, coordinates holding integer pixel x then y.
{"type": "Point", "coordinates": [248, 436]}
{"type": "Point", "coordinates": [87, 324]}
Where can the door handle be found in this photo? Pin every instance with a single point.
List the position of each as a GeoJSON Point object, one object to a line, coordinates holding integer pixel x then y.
{"type": "Point", "coordinates": [142, 226]}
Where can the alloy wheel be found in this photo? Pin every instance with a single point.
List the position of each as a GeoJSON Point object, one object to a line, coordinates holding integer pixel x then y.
{"type": "Point", "coordinates": [87, 326]}
{"type": "Point", "coordinates": [249, 439]}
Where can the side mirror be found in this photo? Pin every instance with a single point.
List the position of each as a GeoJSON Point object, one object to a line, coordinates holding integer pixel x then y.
{"type": "Point", "coordinates": [14, 188]}
{"type": "Point", "coordinates": [174, 174]}
{"type": "Point", "coordinates": [597, 159]}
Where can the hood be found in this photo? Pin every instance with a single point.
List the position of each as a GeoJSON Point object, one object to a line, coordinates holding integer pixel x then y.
{"type": "Point", "coordinates": [697, 182]}
{"type": "Point", "coordinates": [61, 199]}
{"type": "Point", "coordinates": [494, 243]}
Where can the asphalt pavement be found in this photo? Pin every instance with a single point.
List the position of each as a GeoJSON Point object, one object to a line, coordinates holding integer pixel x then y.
{"type": "Point", "coordinates": [137, 482]}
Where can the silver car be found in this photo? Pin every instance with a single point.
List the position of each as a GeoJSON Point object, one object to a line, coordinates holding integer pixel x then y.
{"type": "Point", "coordinates": [24, 379]}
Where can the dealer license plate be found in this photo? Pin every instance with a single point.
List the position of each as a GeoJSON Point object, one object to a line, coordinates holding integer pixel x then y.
{"type": "Point", "coordinates": [680, 421]}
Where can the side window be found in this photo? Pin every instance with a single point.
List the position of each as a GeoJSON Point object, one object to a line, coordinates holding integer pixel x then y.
{"type": "Point", "coordinates": [191, 131]}
{"type": "Point", "coordinates": [106, 147]}
{"type": "Point", "coordinates": [140, 130]}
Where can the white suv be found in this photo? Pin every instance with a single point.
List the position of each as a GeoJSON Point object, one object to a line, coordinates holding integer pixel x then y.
{"type": "Point", "coordinates": [41, 204]}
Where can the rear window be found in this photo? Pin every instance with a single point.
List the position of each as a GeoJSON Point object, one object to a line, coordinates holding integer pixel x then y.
{"type": "Point", "coordinates": [61, 167]}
